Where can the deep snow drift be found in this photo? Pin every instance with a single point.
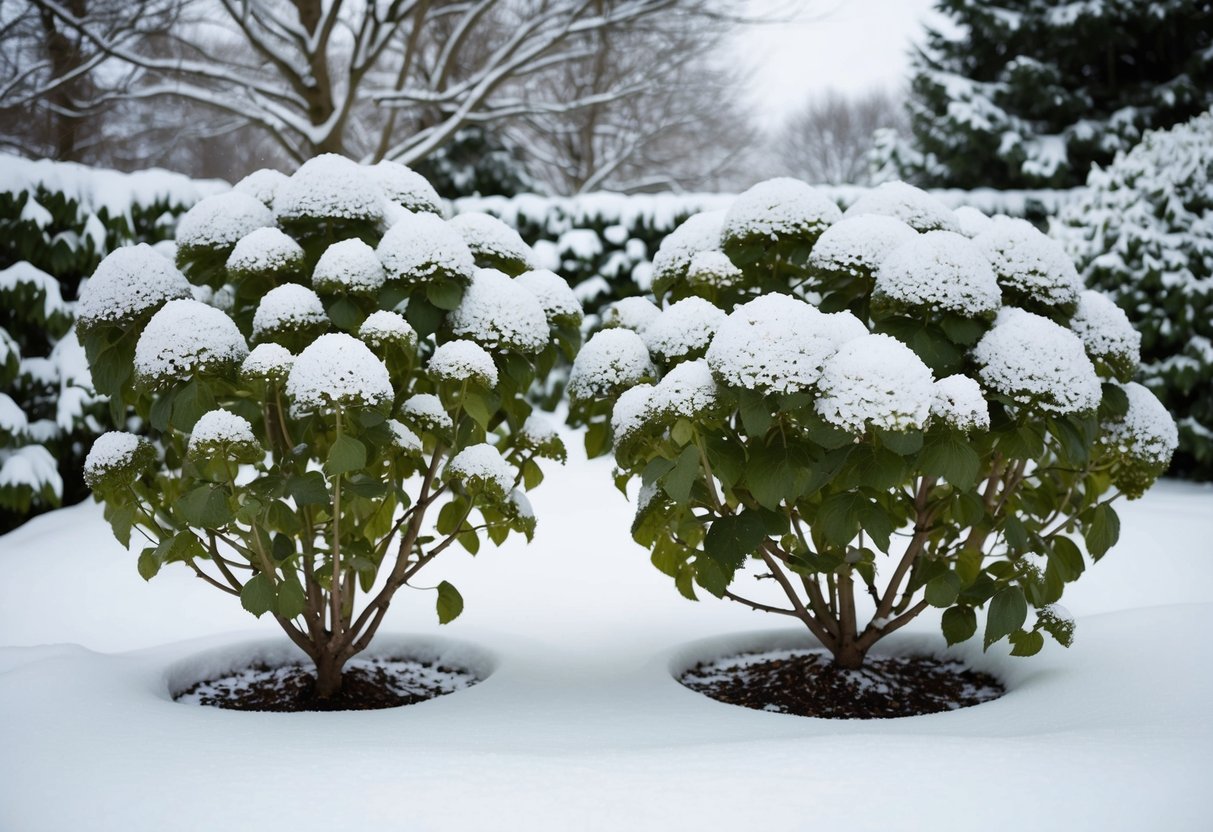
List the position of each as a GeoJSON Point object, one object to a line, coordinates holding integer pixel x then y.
{"type": "Point", "coordinates": [580, 724]}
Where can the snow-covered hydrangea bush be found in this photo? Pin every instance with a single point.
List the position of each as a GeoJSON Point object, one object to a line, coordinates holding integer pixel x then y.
{"type": "Point", "coordinates": [893, 410]}
{"type": "Point", "coordinates": [1142, 232]}
{"type": "Point", "coordinates": [346, 400]}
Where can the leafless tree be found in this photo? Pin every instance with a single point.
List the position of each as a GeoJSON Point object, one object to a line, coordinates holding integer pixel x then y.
{"type": "Point", "coordinates": [828, 139]}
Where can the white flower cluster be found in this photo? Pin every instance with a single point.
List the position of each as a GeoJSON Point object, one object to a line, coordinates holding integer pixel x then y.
{"type": "Point", "coordinates": [776, 208]}
{"type": "Point", "coordinates": [1146, 432]}
{"type": "Point", "coordinates": [491, 240]}
{"type": "Point", "coordinates": [268, 362]}
{"type": "Point", "coordinates": [712, 269]}
{"type": "Point", "coordinates": [913, 206]}
{"type": "Point", "coordinates": [405, 187]}
{"type": "Point", "coordinates": [404, 438]}
{"type": "Point", "coordinates": [329, 186]}
{"type": "Point", "coordinates": [288, 308]}
{"type": "Point", "coordinates": [384, 327]}
{"type": "Point", "coordinates": [1106, 332]}
{"type": "Point", "coordinates": [221, 220]}
{"type": "Point", "coordinates": [262, 185]}
{"type": "Point", "coordinates": [875, 381]}
{"type": "Point", "coordinates": [219, 433]}
{"type": "Point", "coordinates": [611, 361]}
{"type": "Point", "coordinates": [265, 251]}
{"type": "Point", "coordinates": [1028, 264]}
{"type": "Point", "coordinates": [349, 266]}
{"type": "Point", "coordinates": [682, 329]}
{"type": "Point", "coordinates": [939, 270]}
{"type": "Point", "coordinates": [421, 248]}
{"type": "Point", "coordinates": [958, 402]}
{"type": "Point", "coordinates": [499, 314]}
{"type": "Point", "coordinates": [116, 457]}
{"type": "Point", "coordinates": [459, 361]}
{"type": "Point", "coordinates": [687, 390]}
{"type": "Point", "coordinates": [633, 313]}
{"type": "Point", "coordinates": [701, 232]}
{"type": "Point", "coordinates": [971, 221]}
{"type": "Point", "coordinates": [337, 370]}
{"type": "Point", "coordinates": [554, 294]}
{"type": "Point", "coordinates": [426, 412]}
{"type": "Point", "coordinates": [858, 244]}
{"type": "Point", "coordinates": [482, 465]}
{"type": "Point", "coordinates": [130, 281]}
{"type": "Point", "coordinates": [184, 338]}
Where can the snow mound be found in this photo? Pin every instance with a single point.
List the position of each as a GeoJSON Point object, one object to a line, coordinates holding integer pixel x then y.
{"type": "Point", "coordinates": [939, 270]}
{"type": "Point", "coordinates": [384, 327]}
{"type": "Point", "coordinates": [337, 370]}
{"type": "Point", "coordinates": [875, 381]}
{"type": "Point", "coordinates": [1029, 264]}
{"type": "Point", "coordinates": [129, 282]}
{"type": "Point", "coordinates": [631, 411]}
{"type": "Point", "coordinates": [219, 221]}
{"type": "Point", "coordinates": [349, 266]}
{"type": "Point", "coordinates": [404, 438]}
{"type": "Point", "coordinates": [491, 241]}
{"type": "Point", "coordinates": [1106, 332]}
{"type": "Point", "coordinates": [687, 390]}
{"type": "Point", "coordinates": [219, 433]}
{"type": "Point", "coordinates": [289, 308]}
{"type": "Point", "coordinates": [633, 313]}
{"type": "Point", "coordinates": [1147, 432]}
{"type": "Point", "coordinates": [554, 294]}
{"type": "Point", "coordinates": [116, 457]}
{"type": "Point", "coordinates": [262, 185]}
{"type": "Point", "coordinates": [913, 206]}
{"type": "Point", "coordinates": [266, 250]}
{"type": "Point", "coordinates": [499, 314]}
{"type": "Point", "coordinates": [421, 248]}
{"type": "Point", "coordinates": [1036, 362]}
{"type": "Point", "coordinates": [610, 362]}
{"type": "Point", "coordinates": [971, 221]}
{"type": "Point", "coordinates": [958, 403]}
{"type": "Point", "coordinates": [184, 338]}
{"type": "Point", "coordinates": [858, 244]}
{"type": "Point", "coordinates": [459, 361]}
{"type": "Point", "coordinates": [776, 208]}
{"type": "Point", "coordinates": [426, 412]}
{"type": "Point", "coordinates": [683, 329]}
{"type": "Point", "coordinates": [326, 187]}
{"type": "Point", "coordinates": [713, 269]}
{"type": "Point", "coordinates": [700, 232]}
{"type": "Point", "coordinates": [778, 344]}
{"type": "Point", "coordinates": [268, 362]}
{"type": "Point", "coordinates": [482, 466]}
{"type": "Point", "coordinates": [405, 187]}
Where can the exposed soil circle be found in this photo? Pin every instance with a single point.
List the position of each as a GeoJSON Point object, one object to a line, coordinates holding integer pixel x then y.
{"type": "Point", "coordinates": [367, 684]}
{"type": "Point", "coordinates": [805, 682]}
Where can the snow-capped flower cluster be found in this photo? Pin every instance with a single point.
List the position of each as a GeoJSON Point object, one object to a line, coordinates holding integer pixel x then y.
{"type": "Point", "coordinates": [288, 309]}
{"type": "Point", "coordinates": [492, 243]}
{"type": "Point", "coordinates": [349, 266]}
{"type": "Point", "coordinates": [268, 362]}
{"type": "Point", "coordinates": [701, 232]}
{"type": "Point", "coordinates": [778, 344]}
{"type": "Point", "coordinates": [262, 185]}
{"type": "Point", "coordinates": [633, 313]}
{"type": "Point", "coordinates": [631, 412]}
{"type": "Point", "coordinates": [1146, 432]}
{"type": "Point", "coordinates": [337, 370]}
{"type": "Point", "coordinates": [857, 245]}
{"type": "Point", "coordinates": [1106, 333]}
{"type": "Point", "coordinates": [971, 221]}
{"type": "Point", "coordinates": [940, 271]}
{"type": "Point", "coordinates": [1028, 264]}
{"type": "Point", "coordinates": [959, 404]}
{"type": "Point", "coordinates": [221, 220]}
{"type": "Point", "coordinates": [778, 208]}
{"type": "Point", "coordinates": [682, 329]}
{"type": "Point", "coordinates": [875, 381]}
{"type": "Point", "coordinates": [459, 361]}
{"type": "Point", "coordinates": [554, 294]}
{"type": "Point", "coordinates": [405, 439]}
{"type": "Point", "coordinates": [265, 251]}
{"type": "Point", "coordinates": [405, 187]}
{"type": "Point", "coordinates": [482, 466]}
{"type": "Point", "coordinates": [329, 187]}
{"type": "Point", "coordinates": [610, 362]}
{"type": "Point", "coordinates": [422, 248]}
{"type": "Point", "coordinates": [185, 338]}
{"type": "Point", "coordinates": [387, 328]}
{"type": "Point", "coordinates": [712, 269]}
{"type": "Point", "coordinates": [219, 434]}
{"type": "Point", "coordinates": [687, 390]}
{"type": "Point", "coordinates": [129, 282]}
{"type": "Point", "coordinates": [500, 314]}
{"type": "Point", "coordinates": [539, 436]}
{"type": "Point", "coordinates": [913, 206]}
{"type": "Point", "coordinates": [116, 459]}
{"type": "Point", "coordinates": [425, 412]}
{"type": "Point", "coordinates": [1034, 361]}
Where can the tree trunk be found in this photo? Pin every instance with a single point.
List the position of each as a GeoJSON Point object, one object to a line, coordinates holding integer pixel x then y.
{"type": "Point", "coordinates": [849, 656]}
{"type": "Point", "coordinates": [328, 675]}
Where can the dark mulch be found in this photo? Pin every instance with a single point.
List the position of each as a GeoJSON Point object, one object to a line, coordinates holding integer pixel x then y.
{"type": "Point", "coordinates": [806, 683]}
{"type": "Point", "coordinates": [368, 684]}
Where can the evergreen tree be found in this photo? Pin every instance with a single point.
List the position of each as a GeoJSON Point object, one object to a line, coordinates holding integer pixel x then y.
{"type": "Point", "coordinates": [1030, 93]}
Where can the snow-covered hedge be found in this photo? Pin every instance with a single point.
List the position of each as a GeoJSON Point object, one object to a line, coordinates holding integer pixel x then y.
{"type": "Point", "coordinates": [330, 392]}
{"type": "Point", "coordinates": [805, 386]}
{"type": "Point", "coordinates": [1143, 233]}
{"type": "Point", "coordinates": [57, 219]}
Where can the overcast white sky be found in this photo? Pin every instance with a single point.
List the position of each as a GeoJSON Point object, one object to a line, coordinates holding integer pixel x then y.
{"type": "Point", "coordinates": [850, 45]}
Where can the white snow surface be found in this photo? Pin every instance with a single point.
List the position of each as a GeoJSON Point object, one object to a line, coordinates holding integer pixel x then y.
{"type": "Point", "coordinates": [219, 221]}
{"type": "Point", "coordinates": [633, 313]}
{"type": "Point", "coordinates": [1147, 431]}
{"type": "Point", "coordinates": [875, 381]}
{"type": "Point", "coordinates": [553, 293]}
{"type": "Point", "coordinates": [579, 723]}
{"type": "Point", "coordinates": [184, 337]}
{"type": "Point", "coordinates": [612, 359]}
{"type": "Point", "coordinates": [219, 427]}
{"type": "Point", "coordinates": [1104, 327]}
{"type": "Point", "coordinates": [778, 344]}
{"type": "Point", "coordinates": [971, 221]}
{"type": "Point", "coordinates": [129, 281]}
{"type": "Point", "coordinates": [1028, 261]}
{"type": "Point", "coordinates": [349, 265]}
{"type": "Point", "coordinates": [939, 270]}
{"type": "Point", "coordinates": [488, 236]}
{"type": "Point", "coordinates": [683, 328]}
{"type": "Point", "coordinates": [777, 208]}
{"type": "Point", "coordinates": [420, 244]}
{"type": "Point", "coordinates": [24, 273]}
{"type": "Point", "coordinates": [329, 186]}
{"type": "Point", "coordinates": [30, 466]}
{"type": "Point", "coordinates": [500, 314]}
{"type": "Point", "coordinates": [1035, 361]}
{"type": "Point", "coordinates": [462, 360]}
{"type": "Point", "coordinates": [859, 243]}
{"type": "Point", "coordinates": [959, 403]}
{"type": "Point", "coordinates": [337, 369]}
{"type": "Point", "coordinates": [482, 462]}
{"type": "Point", "coordinates": [287, 308]}
{"type": "Point", "coordinates": [913, 206]}
{"type": "Point", "coordinates": [265, 250]}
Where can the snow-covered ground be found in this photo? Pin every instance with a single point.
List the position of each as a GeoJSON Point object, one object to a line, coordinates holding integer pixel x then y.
{"type": "Point", "coordinates": [580, 724]}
